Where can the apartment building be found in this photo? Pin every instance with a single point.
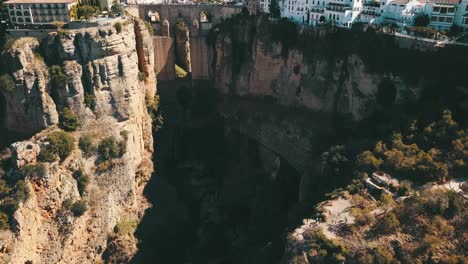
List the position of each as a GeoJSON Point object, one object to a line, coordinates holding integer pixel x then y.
{"type": "Point", "coordinates": [39, 11]}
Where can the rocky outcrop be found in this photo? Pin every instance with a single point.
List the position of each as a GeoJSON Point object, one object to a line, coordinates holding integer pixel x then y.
{"type": "Point", "coordinates": [182, 40]}
{"type": "Point", "coordinates": [257, 57]}
{"type": "Point", "coordinates": [29, 107]}
{"type": "Point", "coordinates": [105, 88]}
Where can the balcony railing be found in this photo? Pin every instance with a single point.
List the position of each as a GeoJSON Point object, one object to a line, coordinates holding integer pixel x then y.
{"type": "Point", "coordinates": [338, 8]}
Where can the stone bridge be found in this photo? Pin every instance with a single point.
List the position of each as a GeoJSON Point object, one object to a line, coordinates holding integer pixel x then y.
{"type": "Point", "coordinates": [189, 12]}
{"type": "Point", "coordinates": [190, 47]}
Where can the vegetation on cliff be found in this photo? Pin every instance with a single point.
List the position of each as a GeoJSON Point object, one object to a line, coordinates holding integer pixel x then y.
{"type": "Point", "coordinates": [58, 144]}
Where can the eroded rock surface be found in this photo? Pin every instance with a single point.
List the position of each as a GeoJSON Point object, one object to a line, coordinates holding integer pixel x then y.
{"type": "Point", "coordinates": [104, 87]}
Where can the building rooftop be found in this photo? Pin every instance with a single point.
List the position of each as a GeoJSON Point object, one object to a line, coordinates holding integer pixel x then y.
{"type": "Point", "coordinates": [39, 1]}
{"type": "Point", "coordinates": [399, 2]}
{"type": "Point", "coordinates": [448, 2]}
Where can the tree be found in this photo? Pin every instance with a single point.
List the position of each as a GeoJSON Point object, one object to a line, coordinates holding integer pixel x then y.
{"type": "Point", "coordinates": [368, 162]}
{"type": "Point", "coordinates": [86, 11]}
{"type": "Point", "coordinates": [421, 20]}
{"type": "Point", "coordinates": [334, 161]}
{"type": "Point", "coordinates": [275, 9]}
{"type": "Point", "coordinates": [68, 120]}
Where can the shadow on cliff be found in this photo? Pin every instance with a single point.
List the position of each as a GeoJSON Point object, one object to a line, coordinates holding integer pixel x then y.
{"type": "Point", "coordinates": [7, 137]}
{"type": "Point", "coordinates": [213, 201]}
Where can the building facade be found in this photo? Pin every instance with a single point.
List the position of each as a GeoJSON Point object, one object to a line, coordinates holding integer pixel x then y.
{"type": "Point", "coordinates": [296, 10]}
{"type": "Point", "coordinates": [441, 13]}
{"type": "Point", "coordinates": [23, 12]}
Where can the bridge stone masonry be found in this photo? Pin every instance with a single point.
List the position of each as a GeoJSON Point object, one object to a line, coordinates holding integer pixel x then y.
{"type": "Point", "coordinates": [173, 46]}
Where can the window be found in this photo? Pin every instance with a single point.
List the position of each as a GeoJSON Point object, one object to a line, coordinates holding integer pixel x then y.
{"type": "Point", "coordinates": [434, 19]}
{"type": "Point", "coordinates": [465, 21]}
{"type": "Point", "coordinates": [28, 20]}
{"type": "Point", "coordinates": [466, 8]}
{"type": "Point", "coordinates": [443, 10]}
{"type": "Point", "coordinates": [448, 20]}
{"type": "Point", "coordinates": [436, 9]}
{"type": "Point", "coordinates": [26, 13]}
{"type": "Point", "coordinates": [441, 19]}
{"type": "Point", "coordinates": [13, 19]}
{"type": "Point", "coordinates": [18, 13]}
{"type": "Point", "coordinates": [12, 13]}
{"type": "Point", "coordinates": [451, 10]}
{"type": "Point", "coordinates": [20, 20]}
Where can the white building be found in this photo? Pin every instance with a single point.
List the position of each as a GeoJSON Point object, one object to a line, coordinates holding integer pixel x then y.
{"type": "Point", "coordinates": [317, 12]}
{"type": "Point", "coordinates": [461, 15]}
{"type": "Point", "coordinates": [39, 11]}
{"type": "Point", "coordinates": [371, 10]}
{"type": "Point", "coordinates": [296, 10]}
{"type": "Point", "coordinates": [343, 12]}
{"type": "Point", "coordinates": [442, 13]}
{"type": "Point", "coordinates": [402, 12]}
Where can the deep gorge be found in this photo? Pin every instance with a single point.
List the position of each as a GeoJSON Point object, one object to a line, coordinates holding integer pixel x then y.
{"type": "Point", "coordinates": [238, 161]}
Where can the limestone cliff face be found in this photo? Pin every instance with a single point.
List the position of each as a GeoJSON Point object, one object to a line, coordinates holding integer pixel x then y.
{"type": "Point", "coordinates": [29, 107]}
{"type": "Point", "coordinates": [253, 63]}
{"type": "Point", "coordinates": [182, 40]}
{"type": "Point", "coordinates": [105, 88]}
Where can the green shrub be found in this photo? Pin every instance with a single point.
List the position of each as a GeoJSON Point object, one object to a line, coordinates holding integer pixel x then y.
{"type": "Point", "coordinates": [109, 148]}
{"type": "Point", "coordinates": [68, 120]}
{"type": "Point", "coordinates": [82, 181]}
{"type": "Point", "coordinates": [61, 143]}
{"type": "Point", "coordinates": [87, 145]}
{"type": "Point", "coordinates": [22, 191]}
{"type": "Point", "coordinates": [455, 204]}
{"type": "Point", "coordinates": [63, 32]}
{"type": "Point", "coordinates": [118, 27]}
{"type": "Point", "coordinates": [368, 162]}
{"type": "Point", "coordinates": [58, 78]}
{"type": "Point", "coordinates": [9, 206]}
{"type": "Point", "coordinates": [141, 76]}
{"type": "Point", "coordinates": [33, 171]}
{"type": "Point", "coordinates": [46, 154]}
{"type": "Point", "coordinates": [6, 83]}
{"type": "Point", "coordinates": [86, 11]}
{"type": "Point", "coordinates": [180, 72]}
{"type": "Point", "coordinates": [78, 208]}
{"type": "Point", "coordinates": [4, 225]}
{"type": "Point", "coordinates": [89, 100]}
{"type": "Point", "coordinates": [5, 189]}
{"type": "Point", "coordinates": [152, 104]}
{"type": "Point", "coordinates": [67, 204]}
{"type": "Point", "coordinates": [389, 223]}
